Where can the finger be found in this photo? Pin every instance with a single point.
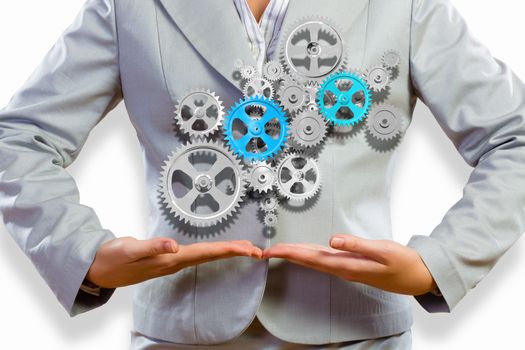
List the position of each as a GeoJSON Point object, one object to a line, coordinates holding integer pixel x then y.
{"type": "Point", "coordinates": [338, 262]}
{"type": "Point", "coordinates": [375, 249]}
{"type": "Point", "coordinates": [198, 253]}
{"type": "Point", "coordinates": [138, 249]}
{"type": "Point", "coordinates": [268, 252]}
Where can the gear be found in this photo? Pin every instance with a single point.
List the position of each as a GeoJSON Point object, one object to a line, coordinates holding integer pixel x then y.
{"type": "Point", "coordinates": [248, 72]}
{"type": "Point", "coordinates": [384, 121]}
{"type": "Point", "coordinates": [377, 78]}
{"type": "Point", "coordinates": [261, 177]}
{"type": "Point", "coordinates": [240, 128]}
{"type": "Point", "coordinates": [199, 113]}
{"type": "Point", "coordinates": [313, 48]}
{"type": "Point", "coordinates": [273, 70]}
{"type": "Point", "coordinates": [309, 128]}
{"type": "Point", "coordinates": [292, 95]}
{"type": "Point", "coordinates": [344, 98]}
{"type": "Point", "coordinates": [239, 63]}
{"type": "Point", "coordinates": [269, 202]}
{"type": "Point", "coordinates": [202, 183]}
{"type": "Point", "coordinates": [258, 86]}
{"type": "Point", "coordinates": [298, 176]}
{"type": "Point", "coordinates": [311, 90]}
{"type": "Point", "coordinates": [270, 219]}
{"type": "Point", "coordinates": [391, 59]}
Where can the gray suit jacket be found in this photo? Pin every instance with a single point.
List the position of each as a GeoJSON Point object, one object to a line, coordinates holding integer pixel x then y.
{"type": "Point", "coordinates": [149, 53]}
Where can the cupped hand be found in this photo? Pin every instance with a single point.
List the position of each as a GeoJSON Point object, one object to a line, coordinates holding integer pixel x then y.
{"type": "Point", "coordinates": [383, 264]}
{"type": "Point", "coordinates": [125, 261]}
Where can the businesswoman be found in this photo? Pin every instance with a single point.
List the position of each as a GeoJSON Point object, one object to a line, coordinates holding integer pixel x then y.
{"type": "Point", "coordinates": [330, 277]}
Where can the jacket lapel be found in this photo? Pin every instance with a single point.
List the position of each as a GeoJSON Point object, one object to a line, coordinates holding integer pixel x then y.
{"type": "Point", "coordinates": [214, 28]}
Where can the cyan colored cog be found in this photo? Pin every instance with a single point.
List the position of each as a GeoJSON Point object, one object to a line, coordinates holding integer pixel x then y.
{"type": "Point", "coordinates": [344, 98]}
{"type": "Point", "coordinates": [258, 139]}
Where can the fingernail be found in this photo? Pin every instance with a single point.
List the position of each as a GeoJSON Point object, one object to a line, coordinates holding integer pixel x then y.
{"type": "Point", "coordinates": [337, 242]}
{"type": "Point", "coordinates": [170, 247]}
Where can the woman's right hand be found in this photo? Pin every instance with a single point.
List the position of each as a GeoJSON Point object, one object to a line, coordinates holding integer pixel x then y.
{"type": "Point", "coordinates": [127, 260]}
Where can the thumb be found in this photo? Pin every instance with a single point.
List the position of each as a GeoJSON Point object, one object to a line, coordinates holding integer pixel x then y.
{"type": "Point", "coordinates": [138, 249]}
{"type": "Point", "coordinates": [374, 249]}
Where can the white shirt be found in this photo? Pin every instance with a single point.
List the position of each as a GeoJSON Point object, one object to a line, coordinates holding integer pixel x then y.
{"type": "Point", "coordinates": [263, 37]}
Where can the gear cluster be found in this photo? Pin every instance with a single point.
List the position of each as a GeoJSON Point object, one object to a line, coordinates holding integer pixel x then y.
{"type": "Point", "coordinates": [266, 144]}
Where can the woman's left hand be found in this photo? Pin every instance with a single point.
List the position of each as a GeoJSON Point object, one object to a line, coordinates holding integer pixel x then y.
{"type": "Point", "coordinates": [383, 264]}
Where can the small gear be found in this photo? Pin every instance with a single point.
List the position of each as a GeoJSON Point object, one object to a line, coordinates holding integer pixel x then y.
{"type": "Point", "coordinates": [391, 59]}
{"type": "Point", "coordinates": [241, 129]}
{"type": "Point", "coordinates": [202, 183]}
{"type": "Point", "coordinates": [270, 219]}
{"type": "Point", "coordinates": [311, 91]}
{"type": "Point", "coordinates": [269, 202]}
{"type": "Point", "coordinates": [377, 78]}
{"type": "Point", "coordinates": [239, 63]}
{"type": "Point", "coordinates": [313, 48]}
{"type": "Point", "coordinates": [199, 113]}
{"type": "Point", "coordinates": [298, 176]}
{"type": "Point", "coordinates": [309, 128]}
{"type": "Point", "coordinates": [385, 121]}
{"type": "Point", "coordinates": [344, 98]}
{"type": "Point", "coordinates": [258, 86]}
{"type": "Point", "coordinates": [261, 177]}
{"type": "Point", "coordinates": [248, 72]}
{"type": "Point", "coordinates": [273, 70]}
{"type": "Point", "coordinates": [292, 95]}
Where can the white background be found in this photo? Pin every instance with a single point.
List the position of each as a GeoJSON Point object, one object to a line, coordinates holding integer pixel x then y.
{"type": "Point", "coordinates": [429, 178]}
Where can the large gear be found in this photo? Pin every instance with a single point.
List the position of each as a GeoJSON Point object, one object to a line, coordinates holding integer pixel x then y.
{"type": "Point", "coordinates": [298, 176]}
{"type": "Point", "coordinates": [344, 98]}
{"type": "Point", "coordinates": [273, 70]}
{"type": "Point", "coordinates": [377, 78]}
{"type": "Point", "coordinates": [202, 183]}
{"type": "Point", "coordinates": [261, 177]}
{"type": "Point", "coordinates": [292, 95]}
{"type": "Point", "coordinates": [391, 59]}
{"type": "Point", "coordinates": [309, 128]}
{"type": "Point", "coordinates": [313, 48]}
{"type": "Point", "coordinates": [199, 113]}
{"type": "Point", "coordinates": [385, 121]}
{"type": "Point", "coordinates": [258, 86]}
{"type": "Point", "coordinates": [241, 128]}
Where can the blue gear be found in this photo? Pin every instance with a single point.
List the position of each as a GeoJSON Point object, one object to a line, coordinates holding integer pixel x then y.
{"type": "Point", "coordinates": [344, 98]}
{"type": "Point", "coordinates": [256, 128]}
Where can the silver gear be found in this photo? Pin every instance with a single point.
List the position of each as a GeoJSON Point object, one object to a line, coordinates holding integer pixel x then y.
{"type": "Point", "coordinates": [248, 72]}
{"type": "Point", "coordinates": [199, 113]}
{"type": "Point", "coordinates": [239, 63]}
{"type": "Point", "coordinates": [270, 219]}
{"type": "Point", "coordinates": [385, 121]}
{"type": "Point", "coordinates": [258, 86]}
{"type": "Point", "coordinates": [269, 202]}
{"type": "Point", "coordinates": [261, 177]}
{"type": "Point", "coordinates": [292, 95]}
{"type": "Point", "coordinates": [273, 70]}
{"type": "Point", "coordinates": [391, 59]}
{"type": "Point", "coordinates": [201, 175]}
{"type": "Point", "coordinates": [377, 78]}
{"type": "Point", "coordinates": [311, 90]}
{"type": "Point", "coordinates": [309, 128]}
{"type": "Point", "coordinates": [313, 48]}
{"type": "Point", "coordinates": [298, 176]}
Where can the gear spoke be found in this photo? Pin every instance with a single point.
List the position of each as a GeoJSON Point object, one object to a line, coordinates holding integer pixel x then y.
{"type": "Point", "coordinates": [187, 201]}
{"type": "Point", "coordinates": [219, 196]}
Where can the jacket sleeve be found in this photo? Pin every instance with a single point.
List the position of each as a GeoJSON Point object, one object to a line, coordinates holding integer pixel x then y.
{"type": "Point", "coordinates": [42, 130]}
{"type": "Point", "coordinates": [479, 102]}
